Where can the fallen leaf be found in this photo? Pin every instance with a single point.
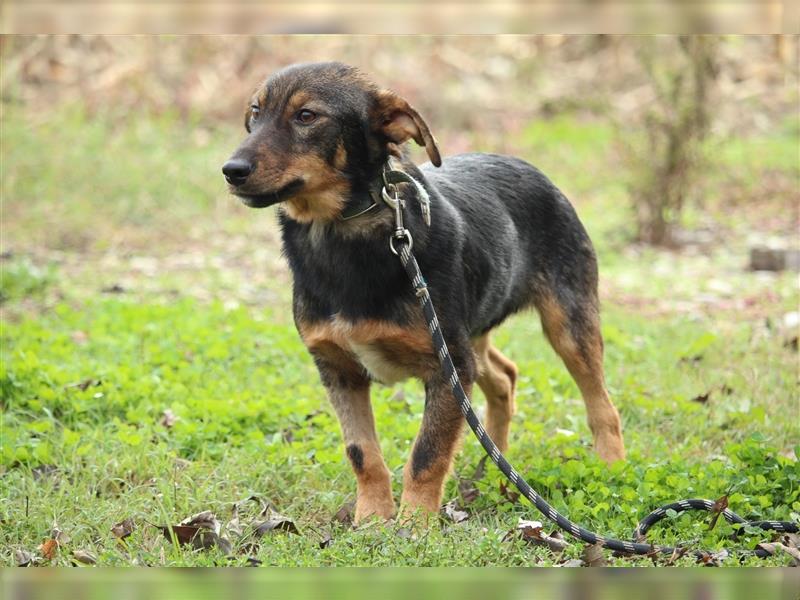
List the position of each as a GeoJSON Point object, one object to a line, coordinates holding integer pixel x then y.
{"type": "Point", "coordinates": [773, 547]}
{"type": "Point", "coordinates": [58, 535]}
{"type": "Point", "coordinates": [708, 559]}
{"type": "Point", "coordinates": [452, 513]}
{"type": "Point", "coordinates": [345, 514]}
{"type": "Point", "coordinates": [719, 506]}
{"type": "Point", "coordinates": [168, 418]}
{"type": "Point", "coordinates": [83, 385]}
{"type": "Point", "coordinates": [594, 556]}
{"type": "Point", "coordinates": [508, 492]}
{"type": "Point", "coordinates": [48, 549]}
{"type": "Point", "coordinates": [201, 530]}
{"type": "Point", "coordinates": [276, 522]}
{"type": "Point", "coordinates": [532, 532]}
{"type": "Point", "coordinates": [572, 562]}
{"type": "Point", "coordinates": [122, 529]}
{"type": "Point", "coordinates": [82, 556]}
{"type": "Point", "coordinates": [468, 492]}
{"type": "Point", "coordinates": [234, 527]}
{"type": "Point", "coordinates": [23, 558]}
{"type": "Point", "coordinates": [44, 471]}
{"type": "Point", "coordinates": [678, 553]}
{"type": "Point", "coordinates": [326, 540]}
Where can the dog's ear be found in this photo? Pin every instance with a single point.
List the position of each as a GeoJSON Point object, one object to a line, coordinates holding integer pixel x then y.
{"type": "Point", "coordinates": [398, 121]}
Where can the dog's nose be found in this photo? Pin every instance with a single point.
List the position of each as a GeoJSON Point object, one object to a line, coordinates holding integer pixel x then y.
{"type": "Point", "coordinates": [236, 170]}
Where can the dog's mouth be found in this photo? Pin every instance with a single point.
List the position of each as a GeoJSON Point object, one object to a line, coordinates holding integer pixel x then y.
{"type": "Point", "coordinates": [265, 199]}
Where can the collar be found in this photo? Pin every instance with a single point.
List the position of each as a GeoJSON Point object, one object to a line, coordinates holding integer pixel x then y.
{"type": "Point", "coordinates": [363, 201]}
{"type": "Point", "coordinates": [391, 175]}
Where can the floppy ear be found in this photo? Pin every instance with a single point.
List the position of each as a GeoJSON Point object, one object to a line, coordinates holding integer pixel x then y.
{"type": "Point", "coordinates": [399, 121]}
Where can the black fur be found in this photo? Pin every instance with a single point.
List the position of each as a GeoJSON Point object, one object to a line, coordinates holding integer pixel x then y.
{"type": "Point", "coordinates": [356, 457]}
{"type": "Point", "coordinates": [501, 233]}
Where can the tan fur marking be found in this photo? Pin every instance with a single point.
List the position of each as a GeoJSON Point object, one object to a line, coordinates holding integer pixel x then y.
{"type": "Point", "coordinates": [296, 102]}
{"type": "Point", "coordinates": [585, 364]}
{"type": "Point", "coordinates": [390, 352]}
{"type": "Point", "coordinates": [497, 378]}
{"type": "Point", "coordinates": [340, 157]}
{"type": "Point", "coordinates": [323, 196]}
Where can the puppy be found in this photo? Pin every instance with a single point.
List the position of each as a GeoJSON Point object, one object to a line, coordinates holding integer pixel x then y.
{"type": "Point", "coordinates": [502, 238]}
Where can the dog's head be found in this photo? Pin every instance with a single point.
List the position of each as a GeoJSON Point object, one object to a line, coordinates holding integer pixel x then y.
{"type": "Point", "coordinates": [314, 130]}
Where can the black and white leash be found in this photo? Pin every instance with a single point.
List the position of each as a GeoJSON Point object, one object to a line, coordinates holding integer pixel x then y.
{"type": "Point", "coordinates": [401, 244]}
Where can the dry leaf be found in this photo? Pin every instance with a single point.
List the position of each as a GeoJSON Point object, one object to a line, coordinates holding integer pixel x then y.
{"type": "Point", "coordinates": [48, 549]}
{"type": "Point", "coordinates": [234, 527]}
{"type": "Point", "coordinates": [122, 529]}
{"type": "Point", "coordinates": [82, 556]}
{"type": "Point", "coordinates": [594, 556]}
{"type": "Point", "coordinates": [23, 558]}
{"type": "Point", "coordinates": [83, 385]}
{"type": "Point", "coordinates": [467, 491]}
{"type": "Point", "coordinates": [345, 514]}
{"type": "Point", "coordinates": [452, 513]}
{"type": "Point", "coordinates": [326, 540]}
{"type": "Point", "coordinates": [719, 506]}
{"type": "Point", "coordinates": [531, 531]}
{"type": "Point", "coordinates": [678, 553]}
{"type": "Point", "coordinates": [572, 562]}
{"type": "Point", "coordinates": [276, 522]}
{"type": "Point", "coordinates": [508, 492]}
{"type": "Point", "coordinates": [168, 418]}
{"type": "Point", "coordinates": [712, 560]}
{"type": "Point", "coordinates": [772, 548]}
{"type": "Point", "coordinates": [201, 530]}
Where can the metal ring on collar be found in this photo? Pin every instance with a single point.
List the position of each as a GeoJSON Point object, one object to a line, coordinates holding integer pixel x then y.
{"type": "Point", "coordinates": [399, 235]}
{"type": "Point", "coordinates": [388, 199]}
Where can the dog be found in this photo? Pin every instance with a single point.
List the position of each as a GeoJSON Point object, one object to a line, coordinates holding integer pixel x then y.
{"type": "Point", "coordinates": [502, 238]}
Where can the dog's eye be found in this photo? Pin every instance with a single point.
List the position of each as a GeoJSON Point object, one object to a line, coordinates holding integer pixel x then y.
{"type": "Point", "coordinates": [305, 116]}
{"type": "Point", "coordinates": [254, 112]}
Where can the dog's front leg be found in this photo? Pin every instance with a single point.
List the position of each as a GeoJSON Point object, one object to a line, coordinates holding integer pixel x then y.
{"type": "Point", "coordinates": [348, 391]}
{"type": "Point", "coordinates": [432, 455]}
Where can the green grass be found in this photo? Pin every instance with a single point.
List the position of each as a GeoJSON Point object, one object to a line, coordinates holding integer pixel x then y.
{"type": "Point", "coordinates": [87, 376]}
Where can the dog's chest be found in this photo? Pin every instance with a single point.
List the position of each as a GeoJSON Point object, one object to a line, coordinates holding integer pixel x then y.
{"type": "Point", "coordinates": [387, 351]}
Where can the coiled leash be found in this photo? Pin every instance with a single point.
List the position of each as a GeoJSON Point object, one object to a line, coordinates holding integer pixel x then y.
{"type": "Point", "coordinates": [401, 244]}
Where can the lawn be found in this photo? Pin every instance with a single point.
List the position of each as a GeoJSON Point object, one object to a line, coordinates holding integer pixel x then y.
{"type": "Point", "coordinates": [151, 371]}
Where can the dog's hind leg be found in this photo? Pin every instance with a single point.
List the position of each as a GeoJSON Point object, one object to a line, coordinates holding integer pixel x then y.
{"type": "Point", "coordinates": [348, 390]}
{"type": "Point", "coordinates": [497, 378]}
{"type": "Point", "coordinates": [573, 330]}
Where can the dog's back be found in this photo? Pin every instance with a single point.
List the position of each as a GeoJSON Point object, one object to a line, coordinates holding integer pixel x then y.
{"type": "Point", "coordinates": [519, 235]}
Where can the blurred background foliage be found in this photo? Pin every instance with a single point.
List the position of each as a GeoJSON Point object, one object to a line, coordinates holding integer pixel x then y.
{"type": "Point", "coordinates": [660, 106]}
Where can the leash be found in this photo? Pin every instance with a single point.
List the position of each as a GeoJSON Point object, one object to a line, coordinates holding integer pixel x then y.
{"type": "Point", "coordinates": [401, 244]}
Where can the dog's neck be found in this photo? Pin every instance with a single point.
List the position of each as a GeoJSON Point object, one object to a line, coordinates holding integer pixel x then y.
{"type": "Point", "coordinates": [369, 199]}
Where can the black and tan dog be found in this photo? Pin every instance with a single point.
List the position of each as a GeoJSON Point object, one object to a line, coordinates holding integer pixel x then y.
{"type": "Point", "coordinates": [502, 238]}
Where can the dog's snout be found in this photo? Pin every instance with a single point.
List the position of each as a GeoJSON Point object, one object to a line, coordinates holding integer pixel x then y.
{"type": "Point", "coordinates": [237, 170]}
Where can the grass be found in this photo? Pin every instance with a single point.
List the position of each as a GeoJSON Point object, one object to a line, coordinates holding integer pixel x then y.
{"type": "Point", "coordinates": [198, 329]}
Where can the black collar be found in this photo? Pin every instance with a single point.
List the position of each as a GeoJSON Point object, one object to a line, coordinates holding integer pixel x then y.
{"type": "Point", "coordinates": [363, 201]}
